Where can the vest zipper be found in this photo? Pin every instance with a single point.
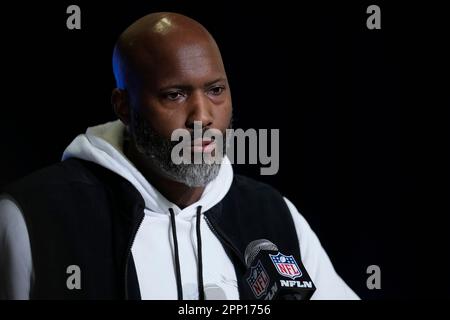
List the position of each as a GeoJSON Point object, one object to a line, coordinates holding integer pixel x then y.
{"type": "Point", "coordinates": [225, 240]}
{"type": "Point", "coordinates": [136, 228]}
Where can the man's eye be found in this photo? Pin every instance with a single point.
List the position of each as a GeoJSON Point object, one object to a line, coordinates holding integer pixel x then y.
{"type": "Point", "coordinates": [173, 95]}
{"type": "Point", "coordinates": [217, 90]}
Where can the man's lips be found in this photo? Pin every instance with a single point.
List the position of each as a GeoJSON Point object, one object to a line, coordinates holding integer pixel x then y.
{"type": "Point", "coordinates": [203, 145]}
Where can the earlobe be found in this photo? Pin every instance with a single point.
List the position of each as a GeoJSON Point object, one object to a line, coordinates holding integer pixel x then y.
{"type": "Point", "coordinates": [119, 101]}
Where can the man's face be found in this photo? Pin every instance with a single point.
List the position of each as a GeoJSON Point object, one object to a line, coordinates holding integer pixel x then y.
{"type": "Point", "coordinates": [174, 87]}
{"type": "Point", "coordinates": [182, 84]}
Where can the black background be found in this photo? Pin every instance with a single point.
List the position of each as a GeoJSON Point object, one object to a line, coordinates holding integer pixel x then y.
{"type": "Point", "coordinates": [363, 115]}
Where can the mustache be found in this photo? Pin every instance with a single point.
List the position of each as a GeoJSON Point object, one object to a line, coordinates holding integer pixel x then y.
{"type": "Point", "coordinates": [148, 132]}
{"type": "Point", "coordinates": [219, 135]}
{"type": "Point", "coordinates": [194, 135]}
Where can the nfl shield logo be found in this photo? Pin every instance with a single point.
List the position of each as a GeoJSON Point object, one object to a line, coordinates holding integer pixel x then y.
{"type": "Point", "coordinates": [258, 280]}
{"type": "Point", "coordinates": [286, 265]}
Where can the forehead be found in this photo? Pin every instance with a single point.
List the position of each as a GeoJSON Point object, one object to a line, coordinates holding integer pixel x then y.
{"type": "Point", "coordinates": [179, 60]}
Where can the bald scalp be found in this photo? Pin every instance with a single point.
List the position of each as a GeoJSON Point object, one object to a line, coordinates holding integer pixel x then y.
{"type": "Point", "coordinates": [150, 39]}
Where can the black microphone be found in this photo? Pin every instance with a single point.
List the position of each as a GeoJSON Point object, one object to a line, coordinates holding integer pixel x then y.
{"type": "Point", "coordinates": [272, 275]}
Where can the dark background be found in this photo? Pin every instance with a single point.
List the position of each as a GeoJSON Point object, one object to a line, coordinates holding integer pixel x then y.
{"type": "Point", "coordinates": [363, 115]}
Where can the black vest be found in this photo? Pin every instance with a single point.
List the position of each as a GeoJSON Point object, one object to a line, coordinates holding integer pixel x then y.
{"type": "Point", "coordinates": [79, 213]}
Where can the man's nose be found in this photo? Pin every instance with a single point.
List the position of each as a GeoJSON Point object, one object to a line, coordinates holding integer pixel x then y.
{"type": "Point", "coordinates": [200, 109]}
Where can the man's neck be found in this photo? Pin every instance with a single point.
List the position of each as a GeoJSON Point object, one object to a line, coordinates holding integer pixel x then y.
{"type": "Point", "coordinates": [174, 191]}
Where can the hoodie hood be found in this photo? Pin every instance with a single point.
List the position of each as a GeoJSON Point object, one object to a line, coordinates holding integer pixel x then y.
{"type": "Point", "coordinates": [103, 145]}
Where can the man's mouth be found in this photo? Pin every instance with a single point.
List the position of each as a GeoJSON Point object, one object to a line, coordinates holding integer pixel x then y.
{"type": "Point", "coordinates": [205, 145]}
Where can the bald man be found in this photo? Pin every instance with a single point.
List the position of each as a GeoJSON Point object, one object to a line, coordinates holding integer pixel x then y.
{"type": "Point", "coordinates": [117, 218]}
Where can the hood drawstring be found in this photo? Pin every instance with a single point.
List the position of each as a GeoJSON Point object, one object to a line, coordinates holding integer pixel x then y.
{"type": "Point", "coordinates": [177, 258]}
{"type": "Point", "coordinates": [201, 291]}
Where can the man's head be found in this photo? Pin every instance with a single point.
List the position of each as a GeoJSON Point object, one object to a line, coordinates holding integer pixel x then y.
{"type": "Point", "coordinates": [170, 73]}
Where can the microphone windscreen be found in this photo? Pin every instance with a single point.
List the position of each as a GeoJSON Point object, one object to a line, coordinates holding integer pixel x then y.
{"type": "Point", "coordinates": [255, 247]}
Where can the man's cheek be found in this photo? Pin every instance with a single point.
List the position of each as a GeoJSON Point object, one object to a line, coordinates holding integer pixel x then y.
{"type": "Point", "coordinates": [166, 130]}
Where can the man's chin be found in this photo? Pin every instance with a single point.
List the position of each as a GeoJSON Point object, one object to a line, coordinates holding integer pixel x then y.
{"type": "Point", "coordinates": [192, 175]}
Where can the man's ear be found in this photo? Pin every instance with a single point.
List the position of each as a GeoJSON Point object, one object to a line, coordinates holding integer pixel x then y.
{"type": "Point", "coordinates": [121, 105]}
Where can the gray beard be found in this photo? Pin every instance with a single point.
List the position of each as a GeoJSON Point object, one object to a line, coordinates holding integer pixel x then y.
{"type": "Point", "coordinates": [158, 150]}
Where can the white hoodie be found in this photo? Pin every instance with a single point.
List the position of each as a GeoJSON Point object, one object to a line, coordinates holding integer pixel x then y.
{"type": "Point", "coordinates": [153, 248]}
